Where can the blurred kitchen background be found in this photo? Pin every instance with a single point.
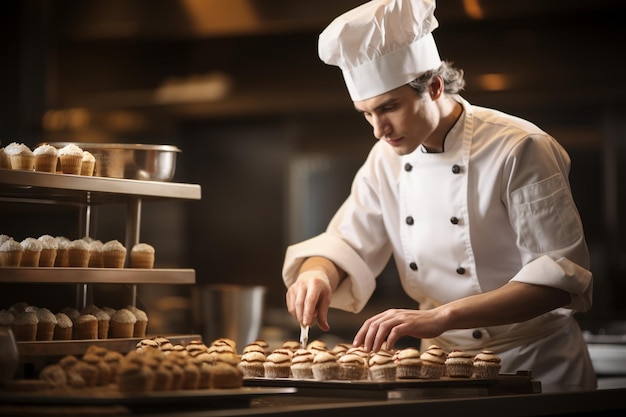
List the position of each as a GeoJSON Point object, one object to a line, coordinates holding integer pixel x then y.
{"type": "Point", "coordinates": [270, 134]}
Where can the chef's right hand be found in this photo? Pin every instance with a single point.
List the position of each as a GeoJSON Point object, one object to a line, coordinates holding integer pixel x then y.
{"type": "Point", "coordinates": [308, 299]}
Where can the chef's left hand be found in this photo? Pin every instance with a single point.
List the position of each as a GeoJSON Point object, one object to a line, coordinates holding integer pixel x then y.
{"type": "Point", "coordinates": [390, 325]}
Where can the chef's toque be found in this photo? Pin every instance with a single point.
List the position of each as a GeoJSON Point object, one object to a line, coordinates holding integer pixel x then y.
{"type": "Point", "coordinates": [381, 45]}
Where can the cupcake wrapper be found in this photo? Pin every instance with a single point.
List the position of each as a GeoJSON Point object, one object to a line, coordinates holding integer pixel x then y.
{"type": "Point", "coordinates": [78, 258]}
{"type": "Point", "coordinates": [13, 258]}
{"type": "Point", "coordinates": [25, 332]}
{"type": "Point", "coordinates": [46, 163]}
{"type": "Point", "coordinates": [139, 329]}
{"type": "Point", "coordinates": [302, 373]}
{"type": "Point", "coordinates": [352, 373]}
{"type": "Point", "coordinates": [325, 372]}
{"type": "Point", "coordinates": [22, 162]}
{"type": "Point", "coordinates": [30, 258]}
{"type": "Point", "coordinates": [86, 168]}
{"type": "Point", "coordinates": [383, 373]}
{"type": "Point", "coordinates": [114, 259]}
{"type": "Point", "coordinates": [273, 371]}
{"type": "Point", "coordinates": [142, 260]}
{"type": "Point", "coordinates": [71, 164]}
{"type": "Point", "coordinates": [62, 333]}
{"type": "Point", "coordinates": [119, 330]}
{"type": "Point", "coordinates": [408, 371]}
{"type": "Point", "coordinates": [432, 371]}
{"type": "Point", "coordinates": [459, 371]}
{"type": "Point", "coordinates": [252, 370]}
{"type": "Point", "coordinates": [486, 372]}
{"type": "Point", "coordinates": [45, 331]}
{"type": "Point", "coordinates": [103, 329]}
{"type": "Point", "coordinates": [47, 257]}
{"type": "Point", "coordinates": [62, 258]}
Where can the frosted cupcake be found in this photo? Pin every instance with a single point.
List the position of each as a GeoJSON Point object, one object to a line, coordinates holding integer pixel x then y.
{"type": "Point", "coordinates": [62, 259]}
{"type": "Point", "coordinates": [104, 322]}
{"type": "Point", "coordinates": [459, 364]}
{"type": "Point", "coordinates": [409, 364]}
{"type": "Point", "coordinates": [433, 362]}
{"type": "Point", "coordinates": [486, 365]}
{"type": "Point", "coordinates": [45, 158]}
{"type": "Point", "coordinates": [96, 255]}
{"type": "Point", "coordinates": [63, 329]}
{"type": "Point", "coordinates": [122, 323]}
{"type": "Point", "coordinates": [32, 252]}
{"type": "Point", "coordinates": [278, 364]}
{"type": "Point", "coordinates": [11, 253]}
{"type": "Point", "coordinates": [142, 256]}
{"type": "Point", "coordinates": [382, 366]}
{"type": "Point", "coordinates": [88, 164]}
{"type": "Point", "coordinates": [49, 248]}
{"type": "Point", "coordinates": [78, 253]}
{"type": "Point", "coordinates": [114, 254]}
{"type": "Point", "coordinates": [251, 364]}
{"type": "Point", "coordinates": [25, 326]}
{"type": "Point", "coordinates": [86, 327]}
{"type": "Point", "coordinates": [301, 364]}
{"type": "Point", "coordinates": [325, 366]}
{"type": "Point", "coordinates": [71, 159]}
{"type": "Point", "coordinates": [141, 323]}
{"type": "Point", "coordinates": [352, 367]}
{"type": "Point", "coordinates": [21, 156]}
{"type": "Point", "coordinates": [46, 322]}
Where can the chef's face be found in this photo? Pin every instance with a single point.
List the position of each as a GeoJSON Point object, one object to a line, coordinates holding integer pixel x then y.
{"type": "Point", "coordinates": [401, 118]}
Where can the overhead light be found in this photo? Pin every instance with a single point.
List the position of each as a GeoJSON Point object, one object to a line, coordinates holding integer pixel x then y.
{"type": "Point", "coordinates": [494, 82]}
{"type": "Point", "coordinates": [212, 86]}
{"type": "Point", "coordinates": [473, 9]}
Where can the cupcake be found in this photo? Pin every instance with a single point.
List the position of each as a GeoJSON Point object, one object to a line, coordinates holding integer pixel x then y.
{"type": "Point", "coordinates": [114, 254]}
{"type": "Point", "coordinates": [382, 366]}
{"type": "Point", "coordinates": [251, 364]}
{"type": "Point", "coordinates": [292, 345]}
{"type": "Point", "coordinates": [88, 164]}
{"type": "Point", "coordinates": [45, 158]}
{"type": "Point", "coordinates": [71, 159]}
{"type": "Point", "coordinates": [317, 346]}
{"type": "Point", "coordinates": [486, 365]}
{"type": "Point", "coordinates": [6, 319]}
{"type": "Point", "coordinates": [433, 362]}
{"type": "Point", "coordinates": [122, 323]}
{"type": "Point", "coordinates": [62, 259]}
{"type": "Point", "coordinates": [25, 326]}
{"type": "Point", "coordinates": [133, 377]}
{"type": "Point", "coordinates": [408, 363]}
{"type": "Point", "coordinates": [226, 375]}
{"type": "Point", "coordinates": [96, 257]}
{"type": "Point", "coordinates": [142, 256]}
{"type": "Point", "coordinates": [301, 364]}
{"type": "Point", "coordinates": [71, 312]}
{"type": "Point", "coordinates": [141, 323]}
{"type": "Point", "coordinates": [104, 321]}
{"type": "Point", "coordinates": [5, 160]}
{"type": "Point", "coordinates": [32, 251]}
{"type": "Point", "coordinates": [325, 366]}
{"type": "Point", "coordinates": [278, 364]}
{"type": "Point", "coordinates": [46, 322]}
{"type": "Point", "coordinates": [86, 327]}
{"type": "Point", "coordinates": [21, 156]}
{"type": "Point", "coordinates": [78, 253]}
{"type": "Point", "coordinates": [63, 329]}
{"type": "Point", "coordinates": [459, 364]}
{"type": "Point", "coordinates": [340, 348]}
{"type": "Point", "coordinates": [11, 253]}
{"type": "Point", "coordinates": [49, 247]}
{"type": "Point", "coordinates": [352, 367]}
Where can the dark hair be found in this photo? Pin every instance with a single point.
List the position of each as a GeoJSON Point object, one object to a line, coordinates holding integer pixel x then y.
{"type": "Point", "coordinates": [453, 80]}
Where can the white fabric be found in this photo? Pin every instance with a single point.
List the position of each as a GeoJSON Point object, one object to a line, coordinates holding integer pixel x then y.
{"type": "Point", "coordinates": [509, 228]}
{"type": "Point", "coordinates": [381, 45]}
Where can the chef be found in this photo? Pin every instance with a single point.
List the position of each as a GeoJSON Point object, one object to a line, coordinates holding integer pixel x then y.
{"type": "Point", "coordinates": [473, 204]}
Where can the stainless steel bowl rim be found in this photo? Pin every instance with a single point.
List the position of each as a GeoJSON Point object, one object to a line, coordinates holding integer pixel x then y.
{"type": "Point", "coordinates": [129, 146]}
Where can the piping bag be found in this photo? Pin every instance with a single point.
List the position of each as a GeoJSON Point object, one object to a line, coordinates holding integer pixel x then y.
{"type": "Point", "coordinates": [304, 336]}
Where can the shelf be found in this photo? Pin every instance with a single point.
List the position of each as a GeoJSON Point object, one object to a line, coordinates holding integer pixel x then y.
{"type": "Point", "coordinates": [44, 187]}
{"type": "Point", "coordinates": [32, 350]}
{"type": "Point", "coordinates": [96, 275]}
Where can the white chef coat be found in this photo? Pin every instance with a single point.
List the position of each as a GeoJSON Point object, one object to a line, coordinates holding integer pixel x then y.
{"type": "Point", "coordinates": [494, 207]}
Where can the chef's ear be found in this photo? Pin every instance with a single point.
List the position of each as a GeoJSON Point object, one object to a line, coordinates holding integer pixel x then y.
{"type": "Point", "coordinates": [436, 87]}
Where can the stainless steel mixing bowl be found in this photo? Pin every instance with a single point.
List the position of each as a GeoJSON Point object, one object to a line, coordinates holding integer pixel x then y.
{"type": "Point", "coordinates": [131, 161]}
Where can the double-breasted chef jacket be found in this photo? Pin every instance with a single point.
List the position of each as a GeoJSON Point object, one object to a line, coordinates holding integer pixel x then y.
{"type": "Point", "coordinates": [494, 206]}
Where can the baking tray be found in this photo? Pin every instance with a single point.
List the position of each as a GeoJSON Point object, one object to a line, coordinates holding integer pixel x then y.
{"type": "Point", "coordinates": [112, 397]}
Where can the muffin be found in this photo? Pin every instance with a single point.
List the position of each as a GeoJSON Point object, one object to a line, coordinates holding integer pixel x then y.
{"type": "Point", "coordinates": [103, 368]}
{"type": "Point", "coordinates": [62, 259]}
{"type": "Point", "coordinates": [71, 312]}
{"type": "Point", "coordinates": [54, 376]}
{"type": "Point", "coordinates": [11, 253]}
{"type": "Point", "coordinates": [408, 363]}
{"type": "Point", "coordinates": [340, 348]}
{"type": "Point", "coordinates": [114, 254]}
{"type": "Point", "coordinates": [278, 364]}
{"type": "Point", "coordinates": [486, 365]}
{"type": "Point", "coordinates": [88, 164]}
{"type": "Point", "coordinates": [122, 323]}
{"type": "Point", "coordinates": [49, 247]}
{"type": "Point", "coordinates": [133, 377]}
{"type": "Point", "coordinates": [317, 346]}
{"type": "Point", "coordinates": [71, 159]}
{"type": "Point", "coordinates": [459, 364]}
{"type": "Point", "coordinates": [251, 364]}
{"type": "Point", "coordinates": [292, 345]}
{"type": "Point", "coordinates": [352, 367]}
{"type": "Point", "coordinates": [32, 251]}
{"type": "Point", "coordinates": [45, 158]}
{"type": "Point", "coordinates": [226, 375]}
{"type": "Point", "coordinates": [64, 327]}
{"type": "Point", "coordinates": [7, 319]}
{"type": "Point", "coordinates": [78, 253]}
{"type": "Point", "coordinates": [86, 327]}
{"type": "Point", "coordinates": [96, 257]}
{"type": "Point", "coordinates": [21, 156]}
{"type": "Point", "coordinates": [104, 321]}
{"type": "Point", "coordinates": [46, 322]}
{"type": "Point", "coordinates": [141, 323]}
{"type": "Point", "coordinates": [382, 366]}
{"type": "Point", "coordinates": [325, 366]}
{"type": "Point", "coordinates": [25, 326]}
{"type": "Point", "coordinates": [433, 362]}
{"type": "Point", "coordinates": [142, 256]}
{"type": "Point", "coordinates": [301, 364]}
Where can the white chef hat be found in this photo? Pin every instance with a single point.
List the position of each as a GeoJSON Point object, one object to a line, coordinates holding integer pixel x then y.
{"type": "Point", "coordinates": [381, 45]}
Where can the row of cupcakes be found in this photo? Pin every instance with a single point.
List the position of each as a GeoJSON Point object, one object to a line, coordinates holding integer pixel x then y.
{"type": "Point", "coordinates": [344, 362]}
{"type": "Point", "coordinates": [32, 323]}
{"type": "Point", "coordinates": [49, 251]}
{"type": "Point", "coordinates": [156, 365]}
{"type": "Point", "coordinates": [69, 159]}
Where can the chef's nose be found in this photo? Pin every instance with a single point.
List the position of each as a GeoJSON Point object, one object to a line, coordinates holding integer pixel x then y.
{"type": "Point", "coordinates": [381, 127]}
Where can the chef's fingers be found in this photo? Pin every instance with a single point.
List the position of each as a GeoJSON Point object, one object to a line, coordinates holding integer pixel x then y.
{"type": "Point", "coordinates": [322, 312]}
